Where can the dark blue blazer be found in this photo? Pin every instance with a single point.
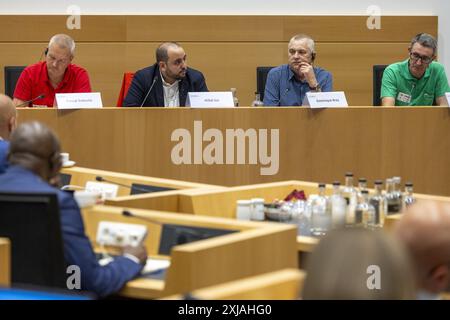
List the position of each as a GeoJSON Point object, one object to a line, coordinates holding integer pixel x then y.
{"type": "Point", "coordinates": [77, 247]}
{"type": "Point", "coordinates": [143, 79]}
{"type": "Point", "coordinates": [4, 147]}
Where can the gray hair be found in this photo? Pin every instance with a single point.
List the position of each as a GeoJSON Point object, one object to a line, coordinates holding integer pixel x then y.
{"type": "Point", "coordinates": [161, 51]}
{"type": "Point", "coordinates": [425, 40]}
{"type": "Point", "coordinates": [63, 41]}
{"type": "Point", "coordinates": [309, 41]}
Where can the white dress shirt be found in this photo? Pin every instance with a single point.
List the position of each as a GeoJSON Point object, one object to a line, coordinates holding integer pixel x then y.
{"type": "Point", "coordinates": [171, 93]}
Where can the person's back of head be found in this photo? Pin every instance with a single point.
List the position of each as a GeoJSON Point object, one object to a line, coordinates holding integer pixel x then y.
{"type": "Point", "coordinates": [358, 264]}
{"type": "Point", "coordinates": [425, 230]}
{"type": "Point", "coordinates": [8, 117]}
{"type": "Point", "coordinates": [35, 147]}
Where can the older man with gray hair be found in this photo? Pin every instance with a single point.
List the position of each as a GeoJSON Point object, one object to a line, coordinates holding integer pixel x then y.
{"type": "Point", "coordinates": [288, 84]}
{"type": "Point", "coordinates": [39, 82]}
{"type": "Point", "coordinates": [8, 122]}
{"type": "Point", "coordinates": [417, 81]}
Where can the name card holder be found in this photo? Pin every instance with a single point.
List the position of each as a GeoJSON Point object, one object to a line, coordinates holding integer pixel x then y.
{"type": "Point", "coordinates": [316, 100]}
{"type": "Point", "coordinates": [85, 100]}
{"type": "Point", "coordinates": [210, 100]}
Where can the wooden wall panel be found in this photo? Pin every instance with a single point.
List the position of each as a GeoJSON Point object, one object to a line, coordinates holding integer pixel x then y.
{"type": "Point", "coordinates": [215, 28]}
{"type": "Point", "coordinates": [227, 49]}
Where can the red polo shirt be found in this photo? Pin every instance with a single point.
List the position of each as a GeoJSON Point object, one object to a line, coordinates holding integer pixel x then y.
{"type": "Point", "coordinates": [34, 82]}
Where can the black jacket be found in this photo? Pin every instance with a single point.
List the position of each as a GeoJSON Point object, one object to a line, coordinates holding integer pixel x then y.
{"type": "Point", "coordinates": [143, 79]}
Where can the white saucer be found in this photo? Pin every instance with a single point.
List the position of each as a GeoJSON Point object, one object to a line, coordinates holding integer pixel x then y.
{"type": "Point", "coordinates": [69, 163]}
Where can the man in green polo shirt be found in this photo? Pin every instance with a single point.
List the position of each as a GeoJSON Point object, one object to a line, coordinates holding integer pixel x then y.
{"type": "Point", "coordinates": [418, 81]}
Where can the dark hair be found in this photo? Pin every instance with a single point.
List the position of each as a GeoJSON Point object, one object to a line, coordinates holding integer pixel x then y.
{"type": "Point", "coordinates": [161, 51]}
{"type": "Point", "coordinates": [425, 40]}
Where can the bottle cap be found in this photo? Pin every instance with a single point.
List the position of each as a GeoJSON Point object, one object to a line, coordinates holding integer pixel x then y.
{"type": "Point", "coordinates": [243, 202]}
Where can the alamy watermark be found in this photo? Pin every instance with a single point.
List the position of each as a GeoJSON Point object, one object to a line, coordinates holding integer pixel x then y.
{"type": "Point", "coordinates": [374, 19]}
{"type": "Point", "coordinates": [251, 145]}
{"type": "Point", "coordinates": [73, 281]}
{"type": "Point", "coordinates": [74, 19]}
{"type": "Point", "coordinates": [374, 280]}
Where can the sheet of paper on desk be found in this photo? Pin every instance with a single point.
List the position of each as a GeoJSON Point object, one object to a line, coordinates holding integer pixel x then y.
{"type": "Point", "coordinates": [155, 264]}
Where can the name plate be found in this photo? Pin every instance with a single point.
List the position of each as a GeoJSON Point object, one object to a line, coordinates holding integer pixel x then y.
{"type": "Point", "coordinates": [107, 190]}
{"type": "Point", "coordinates": [210, 100]}
{"type": "Point", "coordinates": [325, 100]}
{"type": "Point", "coordinates": [88, 100]}
{"type": "Point", "coordinates": [447, 95]}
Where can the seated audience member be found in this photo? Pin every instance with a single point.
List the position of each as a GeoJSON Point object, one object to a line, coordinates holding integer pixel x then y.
{"type": "Point", "coordinates": [359, 264]}
{"type": "Point", "coordinates": [167, 82]}
{"type": "Point", "coordinates": [425, 230]}
{"type": "Point", "coordinates": [417, 81]}
{"type": "Point", "coordinates": [288, 84]}
{"type": "Point", "coordinates": [35, 162]}
{"type": "Point", "coordinates": [54, 75]}
{"type": "Point", "coordinates": [8, 122]}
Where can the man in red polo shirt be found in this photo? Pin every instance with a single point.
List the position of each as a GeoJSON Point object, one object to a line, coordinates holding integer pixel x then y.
{"type": "Point", "coordinates": [41, 81]}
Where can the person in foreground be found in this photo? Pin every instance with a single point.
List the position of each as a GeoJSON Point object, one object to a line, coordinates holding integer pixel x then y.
{"type": "Point", "coordinates": [167, 82]}
{"type": "Point", "coordinates": [8, 122]}
{"type": "Point", "coordinates": [425, 230]}
{"type": "Point", "coordinates": [359, 264]}
{"type": "Point", "coordinates": [35, 163]}
{"type": "Point", "coordinates": [417, 81]}
{"type": "Point", "coordinates": [288, 84]}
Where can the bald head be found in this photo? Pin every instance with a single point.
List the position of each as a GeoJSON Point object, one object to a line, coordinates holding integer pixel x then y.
{"type": "Point", "coordinates": [162, 50]}
{"type": "Point", "coordinates": [8, 116]}
{"type": "Point", "coordinates": [425, 230]}
{"type": "Point", "coordinates": [35, 147]}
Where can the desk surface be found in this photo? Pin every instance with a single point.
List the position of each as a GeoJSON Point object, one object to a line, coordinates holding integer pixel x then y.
{"type": "Point", "coordinates": [314, 145]}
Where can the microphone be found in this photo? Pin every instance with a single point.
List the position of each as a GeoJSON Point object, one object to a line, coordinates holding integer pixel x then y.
{"type": "Point", "coordinates": [29, 101]}
{"type": "Point", "coordinates": [101, 179]}
{"type": "Point", "coordinates": [127, 213]}
{"type": "Point", "coordinates": [149, 90]}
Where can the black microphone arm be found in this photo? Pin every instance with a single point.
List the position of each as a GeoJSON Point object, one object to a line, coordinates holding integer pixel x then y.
{"type": "Point", "coordinates": [149, 90]}
{"type": "Point", "coordinates": [29, 101]}
{"type": "Point", "coordinates": [101, 179]}
{"type": "Point", "coordinates": [128, 213]}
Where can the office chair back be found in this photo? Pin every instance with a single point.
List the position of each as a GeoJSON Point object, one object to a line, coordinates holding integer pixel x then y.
{"type": "Point", "coordinates": [31, 221]}
{"type": "Point", "coordinates": [261, 77]}
{"type": "Point", "coordinates": [378, 71]}
{"type": "Point", "coordinates": [12, 74]}
{"type": "Point", "coordinates": [126, 83]}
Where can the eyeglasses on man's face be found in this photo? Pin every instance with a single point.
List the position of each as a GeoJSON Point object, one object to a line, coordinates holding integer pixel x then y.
{"type": "Point", "coordinates": [416, 57]}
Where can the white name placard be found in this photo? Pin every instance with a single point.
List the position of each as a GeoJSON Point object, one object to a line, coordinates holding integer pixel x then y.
{"type": "Point", "coordinates": [107, 190]}
{"type": "Point", "coordinates": [447, 95]}
{"type": "Point", "coordinates": [325, 100]}
{"type": "Point", "coordinates": [210, 100]}
{"type": "Point", "coordinates": [88, 100]}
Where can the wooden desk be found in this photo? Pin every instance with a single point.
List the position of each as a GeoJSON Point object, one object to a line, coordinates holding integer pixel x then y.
{"type": "Point", "coordinates": [5, 262]}
{"type": "Point", "coordinates": [256, 249]}
{"type": "Point", "coordinates": [222, 203]}
{"type": "Point", "coordinates": [314, 145]}
{"type": "Point", "coordinates": [161, 200]}
{"type": "Point", "coordinates": [279, 285]}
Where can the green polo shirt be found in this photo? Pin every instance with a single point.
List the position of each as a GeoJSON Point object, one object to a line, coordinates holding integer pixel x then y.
{"type": "Point", "coordinates": [400, 84]}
